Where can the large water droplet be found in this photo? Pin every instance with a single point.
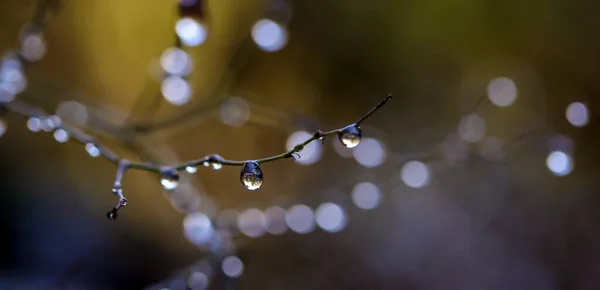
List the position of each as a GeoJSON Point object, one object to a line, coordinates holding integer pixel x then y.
{"type": "Point", "coordinates": [191, 169]}
{"type": "Point", "coordinates": [350, 136]}
{"type": "Point", "coordinates": [170, 180]}
{"type": "Point", "coordinates": [251, 175]}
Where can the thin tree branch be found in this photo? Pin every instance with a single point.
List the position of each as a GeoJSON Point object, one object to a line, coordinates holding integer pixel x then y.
{"type": "Point", "coordinates": [26, 110]}
{"type": "Point", "coordinates": [381, 104]}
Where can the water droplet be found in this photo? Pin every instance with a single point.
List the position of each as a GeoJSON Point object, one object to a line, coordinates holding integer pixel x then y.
{"type": "Point", "coordinates": [215, 161]}
{"type": "Point", "coordinates": [216, 165]}
{"type": "Point", "coordinates": [170, 179]}
{"type": "Point", "coordinates": [122, 202]}
{"type": "Point", "coordinates": [251, 175]}
{"type": "Point", "coordinates": [350, 136]}
{"type": "Point", "coordinates": [117, 190]}
{"type": "Point", "coordinates": [92, 149]}
{"type": "Point", "coordinates": [191, 169]}
{"type": "Point", "coordinates": [206, 164]}
{"type": "Point", "coordinates": [112, 214]}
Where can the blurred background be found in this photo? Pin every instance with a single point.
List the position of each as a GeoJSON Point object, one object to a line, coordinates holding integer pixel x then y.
{"type": "Point", "coordinates": [481, 173]}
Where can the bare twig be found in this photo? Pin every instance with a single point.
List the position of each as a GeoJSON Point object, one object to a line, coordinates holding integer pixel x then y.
{"type": "Point", "coordinates": [26, 110]}
{"type": "Point", "coordinates": [381, 104]}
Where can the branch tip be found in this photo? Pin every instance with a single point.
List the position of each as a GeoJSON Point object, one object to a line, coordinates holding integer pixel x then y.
{"type": "Point", "coordinates": [374, 109]}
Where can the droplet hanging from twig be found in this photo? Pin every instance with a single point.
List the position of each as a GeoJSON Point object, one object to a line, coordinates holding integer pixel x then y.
{"type": "Point", "coordinates": [251, 175]}
{"type": "Point", "coordinates": [170, 179]}
{"type": "Point", "coordinates": [350, 136]}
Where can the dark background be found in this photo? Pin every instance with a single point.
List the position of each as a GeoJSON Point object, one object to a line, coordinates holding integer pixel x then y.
{"type": "Point", "coordinates": [479, 224]}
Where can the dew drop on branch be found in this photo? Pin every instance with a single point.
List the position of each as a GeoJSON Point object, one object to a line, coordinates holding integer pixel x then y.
{"type": "Point", "coordinates": [350, 136]}
{"type": "Point", "coordinates": [92, 149]}
{"type": "Point", "coordinates": [216, 165]}
{"type": "Point", "coordinates": [170, 180]}
{"type": "Point", "coordinates": [251, 175]}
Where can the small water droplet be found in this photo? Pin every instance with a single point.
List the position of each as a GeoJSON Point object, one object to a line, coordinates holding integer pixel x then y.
{"type": "Point", "coordinates": [170, 179]}
{"type": "Point", "coordinates": [92, 149]}
{"type": "Point", "coordinates": [112, 214]}
{"type": "Point", "coordinates": [117, 190]}
{"type": "Point", "coordinates": [215, 161]}
{"type": "Point", "coordinates": [251, 175]}
{"type": "Point", "coordinates": [191, 169]}
{"type": "Point", "coordinates": [216, 165]}
{"type": "Point", "coordinates": [350, 136]}
{"type": "Point", "coordinates": [206, 164]}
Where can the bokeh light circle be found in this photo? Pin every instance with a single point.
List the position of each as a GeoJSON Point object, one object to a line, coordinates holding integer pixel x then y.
{"type": "Point", "coordinates": [232, 266]}
{"type": "Point", "coordinates": [366, 195]}
{"type": "Point", "coordinates": [198, 228]}
{"type": "Point", "coordinates": [577, 114]}
{"type": "Point", "coordinates": [275, 217]}
{"type": "Point", "coordinates": [502, 91]}
{"type": "Point", "coordinates": [197, 281]}
{"type": "Point", "coordinates": [330, 217]}
{"type": "Point", "coordinates": [311, 153]}
{"type": "Point", "coordinates": [176, 90]}
{"type": "Point", "coordinates": [559, 163]}
{"type": "Point", "coordinates": [34, 124]}
{"type": "Point", "coordinates": [269, 35]}
{"type": "Point", "coordinates": [252, 222]}
{"type": "Point", "coordinates": [370, 153]}
{"type": "Point", "coordinates": [175, 61]}
{"type": "Point", "coordinates": [190, 31]}
{"type": "Point", "coordinates": [415, 174]}
{"type": "Point", "coordinates": [33, 47]}
{"type": "Point", "coordinates": [300, 219]}
{"type": "Point", "coordinates": [61, 136]}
